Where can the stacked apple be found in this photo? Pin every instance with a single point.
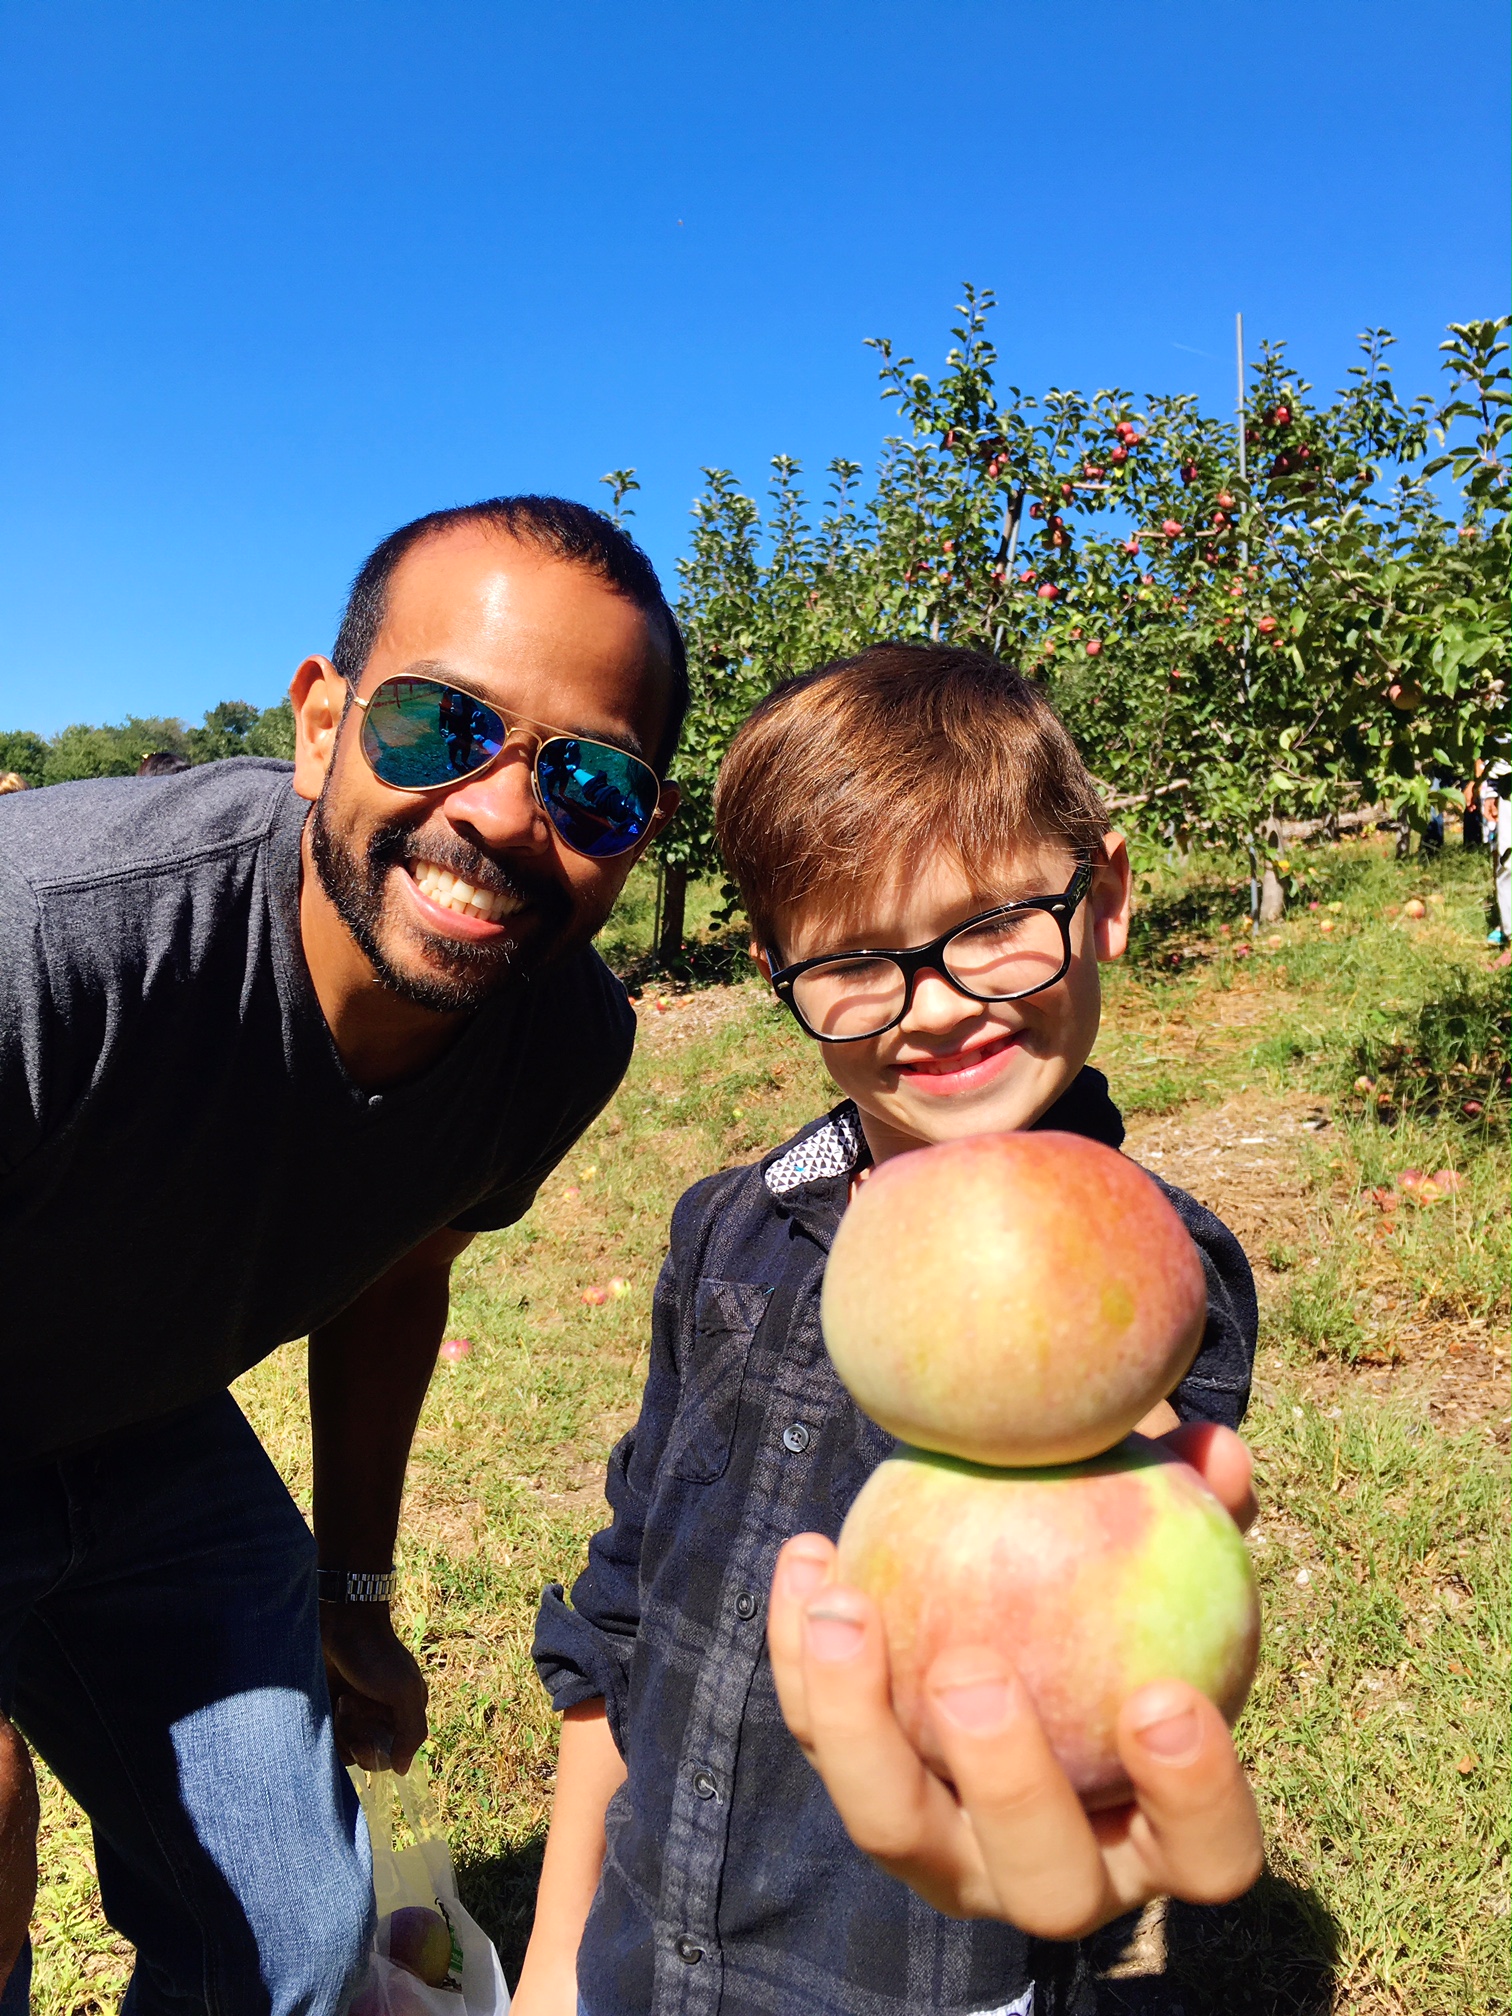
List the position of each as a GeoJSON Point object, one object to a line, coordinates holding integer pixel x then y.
{"type": "Point", "coordinates": [1011, 1306]}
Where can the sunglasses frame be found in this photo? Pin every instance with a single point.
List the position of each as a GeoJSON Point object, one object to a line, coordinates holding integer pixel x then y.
{"type": "Point", "coordinates": [552, 734]}
{"type": "Point", "coordinates": [931, 958]}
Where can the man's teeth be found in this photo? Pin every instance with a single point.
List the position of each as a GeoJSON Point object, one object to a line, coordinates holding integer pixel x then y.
{"type": "Point", "coordinates": [452, 893]}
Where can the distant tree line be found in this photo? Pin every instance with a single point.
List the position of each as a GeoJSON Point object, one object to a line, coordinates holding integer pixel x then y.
{"type": "Point", "coordinates": [116, 749]}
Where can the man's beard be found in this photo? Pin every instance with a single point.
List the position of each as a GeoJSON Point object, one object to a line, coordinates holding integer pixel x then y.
{"type": "Point", "coordinates": [459, 975]}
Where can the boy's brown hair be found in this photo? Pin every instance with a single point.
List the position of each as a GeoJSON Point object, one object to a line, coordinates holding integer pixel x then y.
{"type": "Point", "coordinates": [841, 777]}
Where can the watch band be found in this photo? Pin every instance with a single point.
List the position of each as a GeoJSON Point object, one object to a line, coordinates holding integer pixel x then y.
{"type": "Point", "coordinates": [354, 1585]}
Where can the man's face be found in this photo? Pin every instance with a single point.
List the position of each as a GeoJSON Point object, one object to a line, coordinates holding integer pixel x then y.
{"type": "Point", "coordinates": [954, 1065]}
{"type": "Point", "coordinates": [536, 637]}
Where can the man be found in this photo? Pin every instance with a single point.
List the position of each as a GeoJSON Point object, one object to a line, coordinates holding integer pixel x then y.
{"type": "Point", "coordinates": [268, 1060]}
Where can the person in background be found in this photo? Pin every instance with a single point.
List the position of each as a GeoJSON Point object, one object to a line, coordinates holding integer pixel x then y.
{"type": "Point", "coordinates": [12, 780]}
{"type": "Point", "coordinates": [162, 763]}
{"type": "Point", "coordinates": [1496, 800]}
{"type": "Point", "coordinates": [1470, 829]}
{"type": "Point", "coordinates": [268, 1060]}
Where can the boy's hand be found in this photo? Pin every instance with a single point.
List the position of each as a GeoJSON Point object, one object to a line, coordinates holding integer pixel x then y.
{"type": "Point", "coordinates": [1012, 1840]}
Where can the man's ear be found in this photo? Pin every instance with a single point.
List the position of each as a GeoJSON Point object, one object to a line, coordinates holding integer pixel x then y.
{"type": "Point", "coordinates": [1110, 898]}
{"type": "Point", "coordinates": [318, 694]}
{"type": "Point", "coordinates": [666, 809]}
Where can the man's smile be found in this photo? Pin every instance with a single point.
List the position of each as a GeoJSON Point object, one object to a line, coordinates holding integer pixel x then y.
{"type": "Point", "coordinates": [479, 912]}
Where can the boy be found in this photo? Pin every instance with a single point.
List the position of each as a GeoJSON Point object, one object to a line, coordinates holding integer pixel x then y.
{"type": "Point", "coordinates": [887, 801]}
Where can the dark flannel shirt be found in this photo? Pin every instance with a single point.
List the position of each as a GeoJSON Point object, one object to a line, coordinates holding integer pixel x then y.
{"type": "Point", "coordinates": [728, 1883]}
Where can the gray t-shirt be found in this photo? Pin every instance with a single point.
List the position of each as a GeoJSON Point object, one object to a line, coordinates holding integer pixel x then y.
{"type": "Point", "coordinates": [188, 1177]}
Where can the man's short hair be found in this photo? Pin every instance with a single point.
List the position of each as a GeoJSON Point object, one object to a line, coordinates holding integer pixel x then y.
{"type": "Point", "coordinates": [842, 780]}
{"type": "Point", "coordinates": [557, 525]}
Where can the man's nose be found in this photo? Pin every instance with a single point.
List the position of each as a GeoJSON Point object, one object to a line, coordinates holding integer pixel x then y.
{"type": "Point", "coordinates": [500, 806]}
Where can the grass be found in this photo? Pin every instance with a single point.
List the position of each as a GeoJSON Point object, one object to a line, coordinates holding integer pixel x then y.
{"type": "Point", "coordinates": [1376, 1730]}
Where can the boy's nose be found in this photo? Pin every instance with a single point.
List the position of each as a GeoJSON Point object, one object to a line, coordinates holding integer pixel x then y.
{"type": "Point", "coordinates": [937, 1004]}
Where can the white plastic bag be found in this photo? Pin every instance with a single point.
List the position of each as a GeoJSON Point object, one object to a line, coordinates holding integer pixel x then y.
{"type": "Point", "coordinates": [420, 1875]}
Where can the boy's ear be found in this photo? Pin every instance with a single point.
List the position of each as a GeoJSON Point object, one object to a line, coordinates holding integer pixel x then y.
{"type": "Point", "coordinates": [1110, 898]}
{"type": "Point", "coordinates": [759, 958]}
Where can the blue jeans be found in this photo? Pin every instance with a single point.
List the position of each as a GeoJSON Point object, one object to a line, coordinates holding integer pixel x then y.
{"type": "Point", "coordinates": [160, 1648]}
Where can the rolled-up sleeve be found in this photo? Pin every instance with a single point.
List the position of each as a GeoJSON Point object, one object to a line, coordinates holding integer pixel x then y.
{"type": "Point", "coordinates": [1218, 1386]}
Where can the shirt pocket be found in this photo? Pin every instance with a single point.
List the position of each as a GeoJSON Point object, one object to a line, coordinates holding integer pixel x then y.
{"type": "Point", "coordinates": [726, 1316]}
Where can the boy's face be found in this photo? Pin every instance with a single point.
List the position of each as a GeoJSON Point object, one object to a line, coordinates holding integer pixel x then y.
{"type": "Point", "coordinates": [954, 1065]}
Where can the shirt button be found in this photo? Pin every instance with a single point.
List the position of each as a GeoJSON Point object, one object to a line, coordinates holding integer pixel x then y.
{"type": "Point", "coordinates": [795, 1438]}
{"type": "Point", "coordinates": [688, 1950]}
{"type": "Point", "coordinates": [745, 1604]}
{"type": "Point", "coordinates": [704, 1784]}
{"type": "Point", "coordinates": [375, 1101]}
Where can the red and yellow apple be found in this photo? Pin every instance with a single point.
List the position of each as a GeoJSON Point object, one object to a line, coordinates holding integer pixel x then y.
{"type": "Point", "coordinates": [1092, 1579]}
{"type": "Point", "coordinates": [1012, 1298]}
{"type": "Point", "coordinates": [420, 1940]}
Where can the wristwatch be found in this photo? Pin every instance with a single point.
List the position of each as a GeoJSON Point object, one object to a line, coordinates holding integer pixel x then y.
{"type": "Point", "coordinates": [354, 1585]}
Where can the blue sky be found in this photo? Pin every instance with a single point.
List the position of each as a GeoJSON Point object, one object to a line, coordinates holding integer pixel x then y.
{"type": "Point", "coordinates": [278, 277]}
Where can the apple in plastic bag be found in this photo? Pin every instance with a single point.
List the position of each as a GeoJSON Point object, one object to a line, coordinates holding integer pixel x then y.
{"type": "Point", "coordinates": [420, 1940]}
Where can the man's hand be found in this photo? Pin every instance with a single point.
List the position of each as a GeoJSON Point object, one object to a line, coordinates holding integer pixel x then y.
{"type": "Point", "coordinates": [378, 1693]}
{"type": "Point", "coordinates": [369, 1368]}
{"type": "Point", "coordinates": [18, 1845]}
{"type": "Point", "coordinates": [1011, 1840]}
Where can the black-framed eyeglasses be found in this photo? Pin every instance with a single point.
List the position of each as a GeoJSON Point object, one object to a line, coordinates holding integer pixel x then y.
{"type": "Point", "coordinates": [1001, 954]}
{"type": "Point", "coordinates": [423, 735]}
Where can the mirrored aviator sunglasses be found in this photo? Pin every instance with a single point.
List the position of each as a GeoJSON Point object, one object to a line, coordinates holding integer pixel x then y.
{"type": "Point", "coordinates": [421, 735]}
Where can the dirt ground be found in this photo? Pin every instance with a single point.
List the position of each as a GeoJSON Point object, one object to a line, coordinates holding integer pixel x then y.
{"type": "Point", "coordinates": [1242, 1159]}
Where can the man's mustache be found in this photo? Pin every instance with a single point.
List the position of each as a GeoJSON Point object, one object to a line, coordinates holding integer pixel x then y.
{"type": "Point", "coordinates": [399, 846]}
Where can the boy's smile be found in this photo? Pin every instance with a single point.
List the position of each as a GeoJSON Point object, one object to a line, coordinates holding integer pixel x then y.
{"type": "Point", "coordinates": [955, 1065]}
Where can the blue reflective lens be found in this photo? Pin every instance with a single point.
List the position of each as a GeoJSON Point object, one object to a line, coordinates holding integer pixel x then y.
{"type": "Point", "coordinates": [599, 798]}
{"type": "Point", "coordinates": [417, 734]}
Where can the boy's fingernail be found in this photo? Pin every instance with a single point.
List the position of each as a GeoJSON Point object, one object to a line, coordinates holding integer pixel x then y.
{"type": "Point", "coordinates": [1174, 1739]}
{"type": "Point", "coordinates": [832, 1635]}
{"type": "Point", "coordinates": [802, 1574]}
{"type": "Point", "coordinates": [981, 1708]}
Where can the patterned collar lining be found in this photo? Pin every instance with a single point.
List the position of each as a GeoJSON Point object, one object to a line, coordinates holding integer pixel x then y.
{"type": "Point", "coordinates": [831, 1150]}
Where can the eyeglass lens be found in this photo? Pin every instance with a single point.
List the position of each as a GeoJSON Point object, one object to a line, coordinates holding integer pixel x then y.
{"type": "Point", "coordinates": [418, 734]}
{"type": "Point", "coordinates": [997, 960]}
